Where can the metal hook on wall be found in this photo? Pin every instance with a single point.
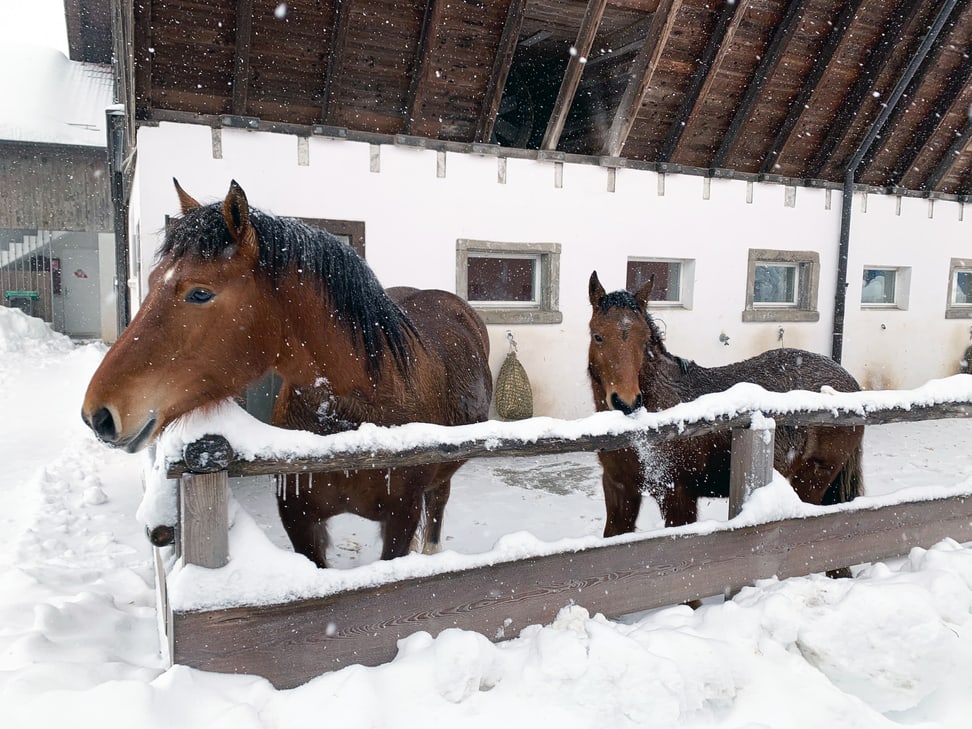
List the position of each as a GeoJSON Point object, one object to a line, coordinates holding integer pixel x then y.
{"type": "Point", "coordinates": [512, 341]}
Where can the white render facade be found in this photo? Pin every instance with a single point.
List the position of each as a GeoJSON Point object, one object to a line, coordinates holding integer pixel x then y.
{"type": "Point", "coordinates": [421, 206]}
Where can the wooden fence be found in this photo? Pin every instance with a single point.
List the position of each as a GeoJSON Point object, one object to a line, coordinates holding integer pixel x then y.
{"type": "Point", "coordinates": [292, 642]}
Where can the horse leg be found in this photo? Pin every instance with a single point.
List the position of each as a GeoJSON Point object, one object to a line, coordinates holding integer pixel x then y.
{"type": "Point", "coordinates": [304, 526]}
{"type": "Point", "coordinates": [622, 501]}
{"type": "Point", "coordinates": [400, 523]}
{"type": "Point", "coordinates": [680, 503]}
{"type": "Point", "coordinates": [434, 502]}
{"type": "Point", "coordinates": [428, 538]}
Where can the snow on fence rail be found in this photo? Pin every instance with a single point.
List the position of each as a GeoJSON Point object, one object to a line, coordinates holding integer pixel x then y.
{"type": "Point", "coordinates": [289, 641]}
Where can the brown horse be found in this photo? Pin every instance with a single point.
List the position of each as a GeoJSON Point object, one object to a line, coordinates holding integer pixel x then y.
{"type": "Point", "coordinates": [237, 293]}
{"type": "Point", "coordinates": [630, 368]}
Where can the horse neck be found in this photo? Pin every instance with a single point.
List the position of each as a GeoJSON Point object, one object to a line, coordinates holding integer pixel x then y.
{"type": "Point", "coordinates": [667, 379]}
{"type": "Point", "coordinates": [317, 350]}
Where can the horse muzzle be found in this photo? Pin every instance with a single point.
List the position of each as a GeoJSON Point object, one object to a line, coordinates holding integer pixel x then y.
{"type": "Point", "coordinates": [617, 403]}
{"type": "Point", "coordinates": [105, 425]}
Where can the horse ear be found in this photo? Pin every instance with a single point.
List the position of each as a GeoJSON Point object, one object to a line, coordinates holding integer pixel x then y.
{"type": "Point", "coordinates": [186, 201]}
{"type": "Point", "coordinates": [236, 213]}
{"type": "Point", "coordinates": [594, 290]}
{"type": "Point", "coordinates": [643, 296]}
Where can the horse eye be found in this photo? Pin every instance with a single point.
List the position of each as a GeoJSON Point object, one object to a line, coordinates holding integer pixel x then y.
{"type": "Point", "coordinates": [199, 296]}
{"type": "Point", "coordinates": [598, 338]}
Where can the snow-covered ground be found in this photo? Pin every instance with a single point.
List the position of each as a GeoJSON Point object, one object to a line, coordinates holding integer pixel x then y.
{"type": "Point", "coordinates": [79, 641]}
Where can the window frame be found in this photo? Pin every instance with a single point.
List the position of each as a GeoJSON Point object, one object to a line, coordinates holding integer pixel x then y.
{"type": "Point", "coordinates": [686, 275]}
{"type": "Point", "coordinates": [902, 285]}
{"type": "Point", "coordinates": [353, 229]}
{"type": "Point", "coordinates": [804, 309]}
{"type": "Point", "coordinates": [952, 309]}
{"type": "Point", "coordinates": [544, 309]}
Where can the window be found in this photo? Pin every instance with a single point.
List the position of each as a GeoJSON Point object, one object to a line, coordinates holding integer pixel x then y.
{"type": "Point", "coordinates": [959, 289]}
{"type": "Point", "coordinates": [351, 232]}
{"type": "Point", "coordinates": [673, 280]}
{"type": "Point", "coordinates": [510, 283]}
{"type": "Point", "coordinates": [777, 284]}
{"type": "Point", "coordinates": [885, 287]}
{"type": "Point", "coordinates": [782, 286]}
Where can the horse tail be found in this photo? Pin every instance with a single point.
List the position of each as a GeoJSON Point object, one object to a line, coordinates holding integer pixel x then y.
{"type": "Point", "coordinates": [849, 483]}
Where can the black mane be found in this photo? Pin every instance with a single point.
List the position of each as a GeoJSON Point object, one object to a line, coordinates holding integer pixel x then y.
{"type": "Point", "coordinates": [285, 244]}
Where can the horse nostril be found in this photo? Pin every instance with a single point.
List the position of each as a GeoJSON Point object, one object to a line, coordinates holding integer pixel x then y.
{"type": "Point", "coordinates": [618, 404]}
{"type": "Point", "coordinates": [103, 425]}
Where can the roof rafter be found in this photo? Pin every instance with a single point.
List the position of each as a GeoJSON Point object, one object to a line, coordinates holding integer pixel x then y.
{"type": "Point", "coordinates": [877, 59]}
{"type": "Point", "coordinates": [933, 59]}
{"type": "Point", "coordinates": [339, 40]}
{"type": "Point", "coordinates": [418, 82]}
{"type": "Point", "coordinates": [715, 53]}
{"type": "Point", "coordinates": [241, 64]}
{"type": "Point", "coordinates": [501, 70]}
{"type": "Point", "coordinates": [799, 103]}
{"type": "Point", "coordinates": [764, 70]}
{"type": "Point", "coordinates": [951, 157]}
{"type": "Point", "coordinates": [140, 95]}
{"type": "Point", "coordinates": [572, 75]}
{"type": "Point", "coordinates": [932, 122]}
{"type": "Point", "coordinates": [643, 70]}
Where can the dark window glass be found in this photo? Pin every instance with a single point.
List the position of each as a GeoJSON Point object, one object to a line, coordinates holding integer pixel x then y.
{"type": "Point", "coordinates": [667, 278]}
{"type": "Point", "coordinates": [501, 279]}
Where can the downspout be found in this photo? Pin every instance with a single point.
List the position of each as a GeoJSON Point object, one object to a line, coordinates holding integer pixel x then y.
{"type": "Point", "coordinates": [847, 197]}
{"type": "Point", "coordinates": [115, 117]}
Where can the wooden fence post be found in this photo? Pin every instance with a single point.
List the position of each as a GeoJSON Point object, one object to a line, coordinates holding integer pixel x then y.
{"type": "Point", "coordinates": [751, 463]}
{"type": "Point", "coordinates": [204, 503]}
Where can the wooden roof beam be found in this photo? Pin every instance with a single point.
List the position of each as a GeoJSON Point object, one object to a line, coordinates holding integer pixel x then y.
{"type": "Point", "coordinates": [339, 41]}
{"type": "Point", "coordinates": [140, 95]}
{"type": "Point", "coordinates": [501, 70]}
{"type": "Point", "coordinates": [715, 53]}
{"type": "Point", "coordinates": [241, 64]}
{"type": "Point", "coordinates": [947, 98]}
{"type": "Point", "coordinates": [823, 58]}
{"type": "Point", "coordinates": [764, 69]}
{"type": "Point", "coordinates": [418, 83]}
{"type": "Point", "coordinates": [951, 158]}
{"type": "Point", "coordinates": [876, 59]}
{"type": "Point", "coordinates": [642, 73]}
{"type": "Point", "coordinates": [928, 63]}
{"type": "Point", "coordinates": [572, 76]}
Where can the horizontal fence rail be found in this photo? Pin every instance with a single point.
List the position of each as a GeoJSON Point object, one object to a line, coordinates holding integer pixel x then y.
{"type": "Point", "coordinates": [207, 456]}
{"type": "Point", "coordinates": [292, 642]}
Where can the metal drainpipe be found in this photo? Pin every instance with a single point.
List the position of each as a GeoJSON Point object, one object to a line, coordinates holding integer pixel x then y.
{"type": "Point", "coordinates": [115, 118]}
{"type": "Point", "coordinates": [847, 197]}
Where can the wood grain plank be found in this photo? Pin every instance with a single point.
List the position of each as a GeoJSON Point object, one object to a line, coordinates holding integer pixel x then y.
{"type": "Point", "coordinates": [293, 642]}
{"type": "Point", "coordinates": [204, 527]}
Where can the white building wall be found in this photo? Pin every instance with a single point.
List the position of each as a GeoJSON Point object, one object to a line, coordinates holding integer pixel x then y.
{"type": "Point", "coordinates": [414, 216]}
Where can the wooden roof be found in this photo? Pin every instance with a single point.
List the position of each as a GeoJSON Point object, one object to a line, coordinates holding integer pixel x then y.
{"type": "Point", "coordinates": [789, 88]}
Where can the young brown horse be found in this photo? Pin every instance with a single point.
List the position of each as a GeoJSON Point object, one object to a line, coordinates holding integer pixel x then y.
{"type": "Point", "coordinates": [630, 367]}
{"type": "Point", "coordinates": [238, 292]}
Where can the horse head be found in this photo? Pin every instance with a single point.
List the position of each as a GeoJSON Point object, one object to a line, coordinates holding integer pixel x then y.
{"type": "Point", "coordinates": [203, 332]}
{"type": "Point", "coordinates": [622, 338]}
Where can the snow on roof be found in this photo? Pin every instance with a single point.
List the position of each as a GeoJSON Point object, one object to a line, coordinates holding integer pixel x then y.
{"type": "Point", "coordinates": [51, 100]}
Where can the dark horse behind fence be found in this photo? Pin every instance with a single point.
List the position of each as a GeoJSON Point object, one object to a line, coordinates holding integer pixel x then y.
{"type": "Point", "coordinates": [237, 293]}
{"type": "Point", "coordinates": [630, 367]}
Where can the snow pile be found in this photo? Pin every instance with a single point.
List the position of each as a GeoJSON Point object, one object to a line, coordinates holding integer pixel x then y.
{"type": "Point", "coordinates": [28, 336]}
{"type": "Point", "coordinates": [78, 623]}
